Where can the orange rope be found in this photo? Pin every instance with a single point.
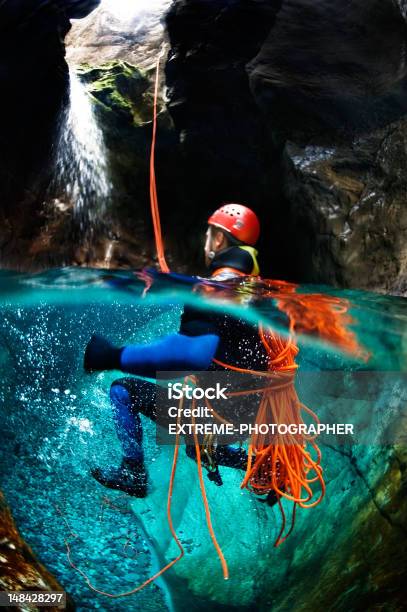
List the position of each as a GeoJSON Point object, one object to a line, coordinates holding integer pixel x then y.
{"type": "Point", "coordinates": [203, 492]}
{"type": "Point", "coordinates": [171, 526]}
{"type": "Point", "coordinates": [283, 463]}
{"type": "Point", "coordinates": [281, 353]}
{"type": "Point", "coordinates": [155, 213]}
{"type": "Point", "coordinates": [208, 512]}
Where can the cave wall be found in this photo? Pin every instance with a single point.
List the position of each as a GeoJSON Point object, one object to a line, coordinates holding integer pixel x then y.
{"type": "Point", "coordinates": [338, 99]}
{"type": "Point", "coordinates": [347, 209]}
{"type": "Point", "coordinates": [325, 69]}
{"type": "Point", "coordinates": [102, 36]}
{"type": "Point", "coordinates": [226, 153]}
{"type": "Point", "coordinates": [298, 110]}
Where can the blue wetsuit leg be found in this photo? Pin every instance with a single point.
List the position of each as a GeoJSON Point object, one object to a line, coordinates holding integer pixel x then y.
{"type": "Point", "coordinates": [130, 397]}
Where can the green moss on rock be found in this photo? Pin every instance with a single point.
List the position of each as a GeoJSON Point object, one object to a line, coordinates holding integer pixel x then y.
{"type": "Point", "coordinates": [119, 87]}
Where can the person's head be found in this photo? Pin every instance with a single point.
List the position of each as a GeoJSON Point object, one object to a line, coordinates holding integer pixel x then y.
{"type": "Point", "coordinates": [230, 225]}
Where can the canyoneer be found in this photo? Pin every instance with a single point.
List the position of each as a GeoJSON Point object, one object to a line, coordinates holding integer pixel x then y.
{"type": "Point", "coordinates": [205, 337]}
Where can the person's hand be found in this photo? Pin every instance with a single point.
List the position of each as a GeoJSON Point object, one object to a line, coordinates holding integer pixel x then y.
{"type": "Point", "coordinates": [100, 354]}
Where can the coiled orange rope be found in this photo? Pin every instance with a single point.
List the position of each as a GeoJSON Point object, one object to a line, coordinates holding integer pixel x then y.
{"type": "Point", "coordinates": [280, 464]}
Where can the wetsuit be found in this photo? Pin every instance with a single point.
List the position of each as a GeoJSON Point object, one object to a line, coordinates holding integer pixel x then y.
{"type": "Point", "coordinates": [203, 335]}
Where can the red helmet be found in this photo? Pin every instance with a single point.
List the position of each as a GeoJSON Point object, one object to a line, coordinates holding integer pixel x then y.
{"type": "Point", "coordinates": [241, 222]}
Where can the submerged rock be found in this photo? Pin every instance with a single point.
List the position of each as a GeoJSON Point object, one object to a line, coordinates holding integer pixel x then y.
{"type": "Point", "coordinates": [20, 570]}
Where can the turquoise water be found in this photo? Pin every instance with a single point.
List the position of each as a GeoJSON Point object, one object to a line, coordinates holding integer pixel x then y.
{"type": "Point", "coordinates": [57, 424]}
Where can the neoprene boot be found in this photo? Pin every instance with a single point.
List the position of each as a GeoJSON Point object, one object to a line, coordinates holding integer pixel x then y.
{"type": "Point", "coordinates": [130, 477]}
{"type": "Point", "coordinates": [100, 354]}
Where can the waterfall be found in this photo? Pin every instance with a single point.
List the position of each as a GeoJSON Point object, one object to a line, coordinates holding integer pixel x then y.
{"type": "Point", "coordinates": [82, 183]}
{"type": "Point", "coordinates": [81, 179]}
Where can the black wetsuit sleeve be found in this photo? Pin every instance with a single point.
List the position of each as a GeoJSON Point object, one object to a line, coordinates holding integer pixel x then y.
{"type": "Point", "coordinates": [235, 258]}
